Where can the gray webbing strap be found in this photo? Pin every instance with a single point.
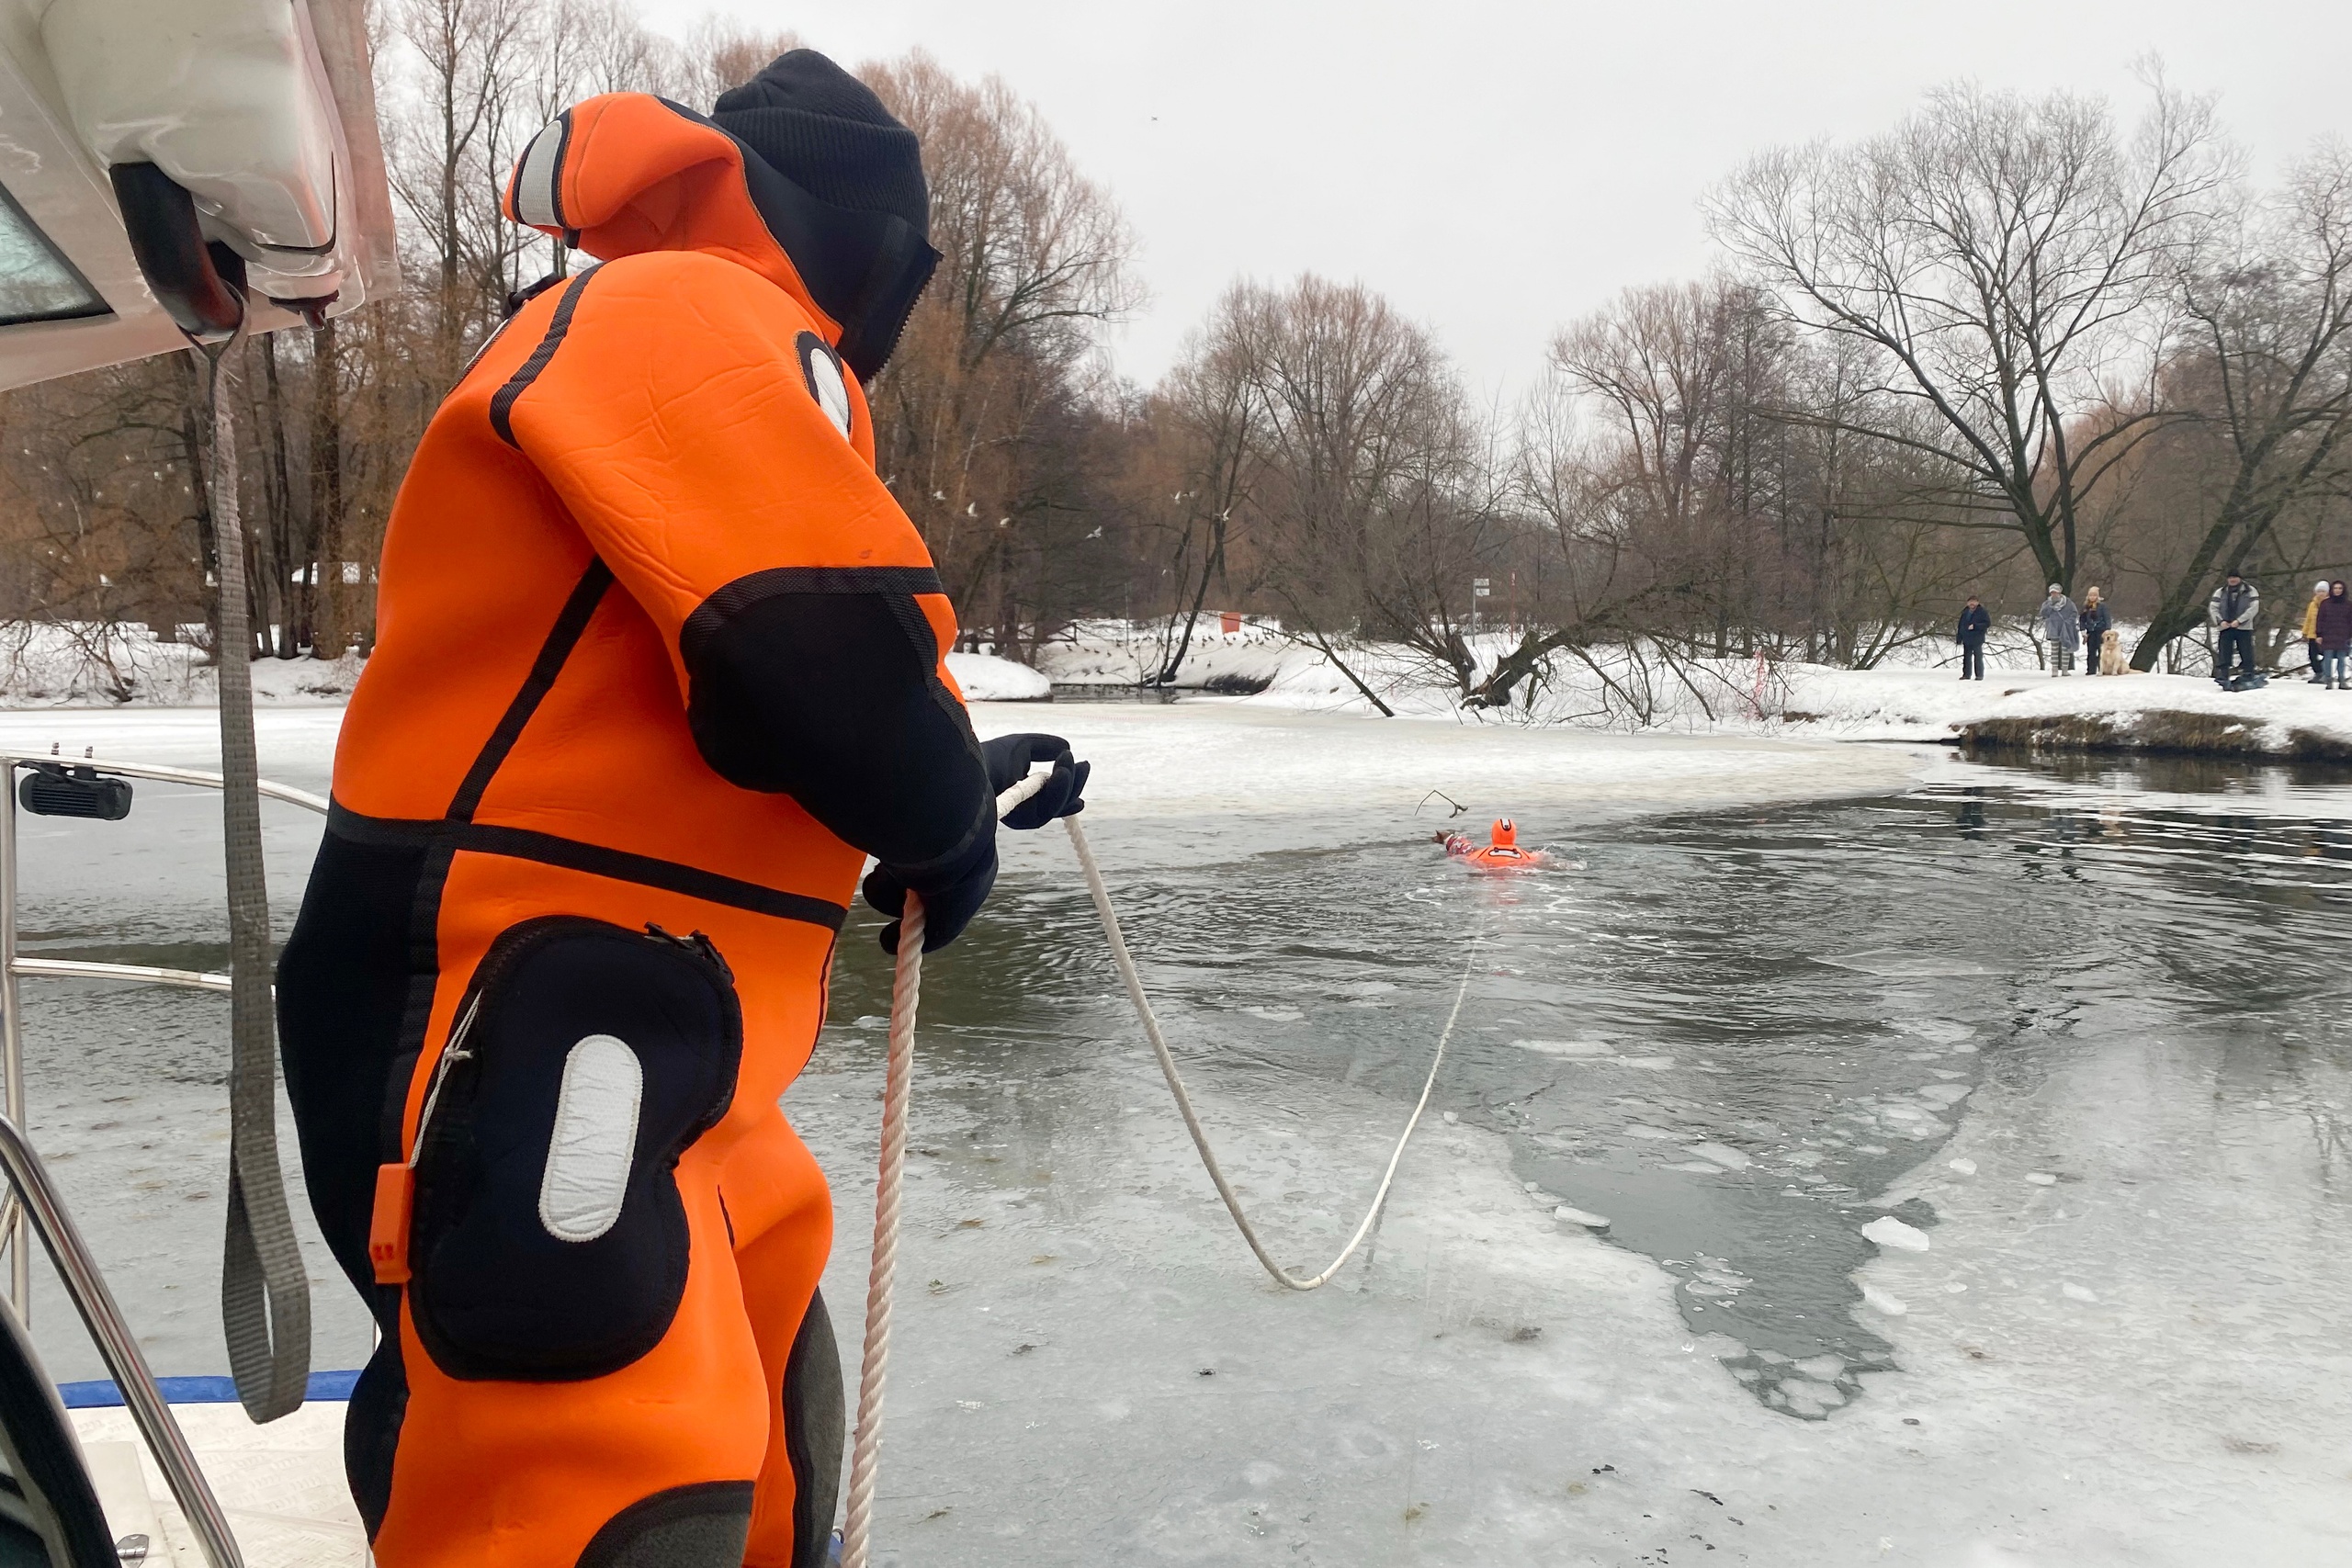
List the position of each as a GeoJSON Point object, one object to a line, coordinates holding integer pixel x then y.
{"type": "Point", "coordinates": [264, 1291]}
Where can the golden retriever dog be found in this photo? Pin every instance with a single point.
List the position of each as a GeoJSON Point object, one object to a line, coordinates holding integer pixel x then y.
{"type": "Point", "coordinates": [2110, 653]}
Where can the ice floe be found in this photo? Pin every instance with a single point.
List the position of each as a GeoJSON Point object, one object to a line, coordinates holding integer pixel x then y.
{"type": "Point", "coordinates": [1888, 1231]}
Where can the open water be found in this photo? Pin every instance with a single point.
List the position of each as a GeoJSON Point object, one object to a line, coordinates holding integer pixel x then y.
{"type": "Point", "coordinates": [1728, 1034]}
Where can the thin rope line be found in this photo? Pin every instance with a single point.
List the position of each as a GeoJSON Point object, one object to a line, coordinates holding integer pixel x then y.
{"type": "Point", "coordinates": [1133, 983]}
{"type": "Point", "coordinates": [906, 996]}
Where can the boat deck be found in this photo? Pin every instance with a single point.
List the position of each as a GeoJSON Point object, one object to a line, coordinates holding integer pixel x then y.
{"type": "Point", "coordinates": [281, 1485]}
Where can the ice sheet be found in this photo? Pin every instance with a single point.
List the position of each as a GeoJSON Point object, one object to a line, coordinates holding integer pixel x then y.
{"type": "Point", "coordinates": [1089, 1368]}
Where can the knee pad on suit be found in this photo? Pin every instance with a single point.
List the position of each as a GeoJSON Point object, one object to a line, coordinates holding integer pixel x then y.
{"type": "Point", "coordinates": [550, 1241]}
{"type": "Point", "coordinates": [816, 1431]}
{"type": "Point", "coordinates": [702, 1525]}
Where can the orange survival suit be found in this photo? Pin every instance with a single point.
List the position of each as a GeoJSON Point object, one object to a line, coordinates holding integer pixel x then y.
{"type": "Point", "coordinates": [660, 661]}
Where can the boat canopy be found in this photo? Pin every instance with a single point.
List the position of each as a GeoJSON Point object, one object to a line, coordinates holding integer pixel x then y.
{"type": "Point", "coordinates": [261, 111]}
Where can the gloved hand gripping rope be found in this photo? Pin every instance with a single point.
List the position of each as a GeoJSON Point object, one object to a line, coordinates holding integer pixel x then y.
{"type": "Point", "coordinates": [905, 995]}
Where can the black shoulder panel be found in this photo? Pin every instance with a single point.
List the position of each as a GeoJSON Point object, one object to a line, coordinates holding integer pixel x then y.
{"type": "Point", "coordinates": [822, 683]}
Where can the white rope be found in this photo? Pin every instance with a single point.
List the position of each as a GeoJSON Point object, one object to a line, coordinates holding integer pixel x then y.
{"type": "Point", "coordinates": [905, 996]}
{"type": "Point", "coordinates": [1133, 983]}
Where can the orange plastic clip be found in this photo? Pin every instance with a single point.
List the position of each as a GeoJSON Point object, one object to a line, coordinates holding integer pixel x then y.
{"type": "Point", "coordinates": [388, 1226]}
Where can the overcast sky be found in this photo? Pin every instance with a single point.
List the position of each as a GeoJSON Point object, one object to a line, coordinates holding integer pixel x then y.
{"type": "Point", "coordinates": [1497, 167]}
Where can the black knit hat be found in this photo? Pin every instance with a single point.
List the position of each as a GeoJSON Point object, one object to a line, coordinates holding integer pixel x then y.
{"type": "Point", "coordinates": [824, 129]}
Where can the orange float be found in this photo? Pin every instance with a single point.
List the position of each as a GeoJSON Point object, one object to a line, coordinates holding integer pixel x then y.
{"type": "Point", "coordinates": [1500, 852]}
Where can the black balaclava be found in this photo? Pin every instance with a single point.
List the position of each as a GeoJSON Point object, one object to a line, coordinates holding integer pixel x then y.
{"type": "Point", "coordinates": [807, 119]}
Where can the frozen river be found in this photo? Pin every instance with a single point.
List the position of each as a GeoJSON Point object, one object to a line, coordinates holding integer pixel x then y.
{"type": "Point", "coordinates": [2079, 1035]}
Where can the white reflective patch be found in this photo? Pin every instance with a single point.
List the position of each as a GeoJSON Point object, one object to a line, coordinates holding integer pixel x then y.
{"type": "Point", "coordinates": [534, 186]}
{"type": "Point", "coordinates": [832, 392]}
{"type": "Point", "coordinates": [594, 1140]}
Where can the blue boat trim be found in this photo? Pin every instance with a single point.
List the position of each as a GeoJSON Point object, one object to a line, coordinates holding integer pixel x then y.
{"type": "Point", "coordinates": [100, 1394]}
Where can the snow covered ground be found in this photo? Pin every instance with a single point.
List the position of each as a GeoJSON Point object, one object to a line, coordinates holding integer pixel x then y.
{"type": "Point", "coordinates": [989, 679]}
{"type": "Point", "coordinates": [93, 665]}
{"type": "Point", "coordinates": [1913, 696]}
{"type": "Point", "coordinates": [44, 665]}
{"type": "Point", "coordinates": [2287, 717]}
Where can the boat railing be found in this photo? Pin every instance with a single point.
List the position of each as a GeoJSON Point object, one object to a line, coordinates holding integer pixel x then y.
{"type": "Point", "coordinates": [13, 966]}
{"type": "Point", "coordinates": [42, 1211]}
{"type": "Point", "coordinates": [31, 1205]}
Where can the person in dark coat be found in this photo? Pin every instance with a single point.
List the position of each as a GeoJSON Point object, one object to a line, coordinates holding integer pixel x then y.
{"type": "Point", "coordinates": [2096, 619]}
{"type": "Point", "coordinates": [2335, 626]}
{"type": "Point", "coordinates": [1975, 622]}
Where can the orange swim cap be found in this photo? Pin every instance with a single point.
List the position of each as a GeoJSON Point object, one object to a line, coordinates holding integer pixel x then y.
{"type": "Point", "coordinates": [1505, 833]}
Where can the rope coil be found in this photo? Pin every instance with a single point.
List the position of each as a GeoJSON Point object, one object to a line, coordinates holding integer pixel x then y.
{"type": "Point", "coordinates": [906, 996]}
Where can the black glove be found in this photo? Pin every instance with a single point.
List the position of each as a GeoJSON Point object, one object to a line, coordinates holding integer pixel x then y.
{"type": "Point", "coordinates": [950, 898]}
{"type": "Point", "coordinates": [1008, 756]}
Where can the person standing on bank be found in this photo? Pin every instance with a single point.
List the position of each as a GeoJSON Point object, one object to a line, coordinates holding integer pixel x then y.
{"type": "Point", "coordinates": [2233, 609]}
{"type": "Point", "coordinates": [2096, 620]}
{"type": "Point", "coordinates": [1975, 622]}
{"type": "Point", "coordinates": [2333, 624]}
{"type": "Point", "coordinates": [2310, 630]}
{"type": "Point", "coordinates": [2062, 628]}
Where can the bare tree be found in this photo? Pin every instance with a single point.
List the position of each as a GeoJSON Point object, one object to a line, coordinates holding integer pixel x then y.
{"type": "Point", "coordinates": [1367, 506]}
{"type": "Point", "coordinates": [466, 62]}
{"type": "Point", "coordinates": [2004, 258]}
{"type": "Point", "coordinates": [721, 53]}
{"type": "Point", "coordinates": [2265, 372]}
{"type": "Point", "coordinates": [985, 414]}
{"type": "Point", "coordinates": [1210, 411]}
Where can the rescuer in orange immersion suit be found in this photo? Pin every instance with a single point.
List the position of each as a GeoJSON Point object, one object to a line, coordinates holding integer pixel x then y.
{"type": "Point", "coordinates": [659, 663]}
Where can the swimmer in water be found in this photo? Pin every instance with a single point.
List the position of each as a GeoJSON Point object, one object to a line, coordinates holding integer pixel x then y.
{"type": "Point", "coordinates": [1500, 853]}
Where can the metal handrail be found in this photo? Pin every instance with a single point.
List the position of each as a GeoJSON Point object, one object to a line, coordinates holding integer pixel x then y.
{"type": "Point", "coordinates": [32, 1205]}
{"type": "Point", "coordinates": [13, 968]}
{"type": "Point", "coordinates": [117, 1346]}
{"type": "Point", "coordinates": [286, 792]}
{"type": "Point", "coordinates": [77, 969]}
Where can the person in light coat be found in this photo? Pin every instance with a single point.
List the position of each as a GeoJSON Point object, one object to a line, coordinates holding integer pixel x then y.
{"type": "Point", "coordinates": [2233, 609]}
{"type": "Point", "coordinates": [2310, 631]}
{"type": "Point", "coordinates": [2061, 628]}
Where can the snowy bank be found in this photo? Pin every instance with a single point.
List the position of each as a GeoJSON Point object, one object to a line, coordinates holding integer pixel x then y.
{"type": "Point", "coordinates": [90, 664]}
{"type": "Point", "coordinates": [2289, 719]}
{"type": "Point", "coordinates": [986, 679]}
{"type": "Point", "coordinates": [127, 665]}
{"type": "Point", "coordinates": [1623, 691]}
{"type": "Point", "coordinates": [1915, 695]}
